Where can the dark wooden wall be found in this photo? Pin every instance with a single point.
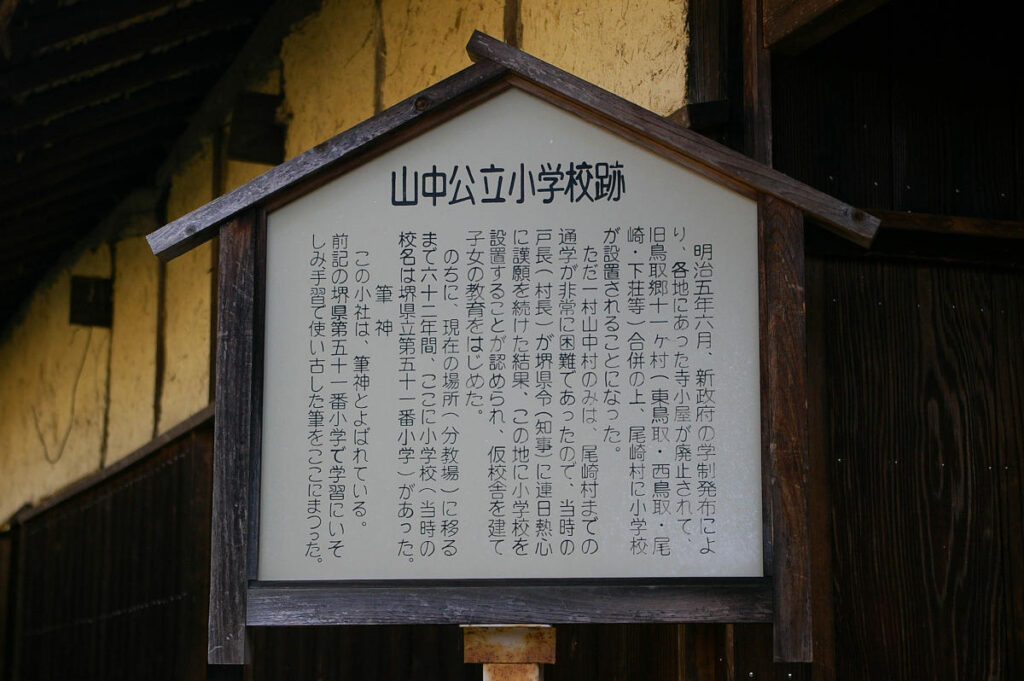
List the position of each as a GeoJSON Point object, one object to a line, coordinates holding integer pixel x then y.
{"type": "Point", "coordinates": [919, 106]}
{"type": "Point", "coordinates": [924, 395]}
{"type": "Point", "coordinates": [112, 582]}
{"type": "Point", "coordinates": [584, 653]}
{"type": "Point", "coordinates": [919, 343]}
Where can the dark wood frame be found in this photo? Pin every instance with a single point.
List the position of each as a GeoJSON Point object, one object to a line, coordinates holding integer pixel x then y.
{"type": "Point", "coordinates": [238, 599]}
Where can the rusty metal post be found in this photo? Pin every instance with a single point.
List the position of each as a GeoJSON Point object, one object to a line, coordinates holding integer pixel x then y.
{"type": "Point", "coordinates": [510, 652]}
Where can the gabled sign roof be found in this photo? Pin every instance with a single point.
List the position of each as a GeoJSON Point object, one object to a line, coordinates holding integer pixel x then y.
{"type": "Point", "coordinates": [497, 61]}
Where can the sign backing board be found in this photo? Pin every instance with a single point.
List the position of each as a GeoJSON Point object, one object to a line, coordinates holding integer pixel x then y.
{"type": "Point", "coordinates": [516, 346]}
{"type": "Point", "coordinates": [265, 585]}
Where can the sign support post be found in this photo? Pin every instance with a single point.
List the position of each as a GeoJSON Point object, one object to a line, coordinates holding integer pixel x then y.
{"type": "Point", "coordinates": [510, 652]}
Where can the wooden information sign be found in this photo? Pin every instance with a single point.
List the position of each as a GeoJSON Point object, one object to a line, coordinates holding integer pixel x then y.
{"type": "Point", "coordinates": [516, 351]}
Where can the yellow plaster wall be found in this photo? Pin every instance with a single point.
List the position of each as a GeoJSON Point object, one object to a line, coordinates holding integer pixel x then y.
{"type": "Point", "coordinates": [329, 72]}
{"type": "Point", "coordinates": [635, 48]}
{"type": "Point", "coordinates": [425, 40]}
{"type": "Point", "coordinates": [187, 301]}
{"type": "Point", "coordinates": [237, 173]}
{"type": "Point", "coordinates": [53, 379]}
{"type": "Point", "coordinates": [132, 348]}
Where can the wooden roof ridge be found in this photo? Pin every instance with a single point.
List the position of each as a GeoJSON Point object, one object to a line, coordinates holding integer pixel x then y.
{"type": "Point", "coordinates": [495, 59]}
{"type": "Point", "coordinates": [192, 229]}
{"type": "Point", "coordinates": [845, 220]}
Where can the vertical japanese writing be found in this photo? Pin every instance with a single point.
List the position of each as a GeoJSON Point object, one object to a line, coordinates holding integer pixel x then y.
{"type": "Point", "coordinates": [707, 445]}
{"type": "Point", "coordinates": [315, 403]}
{"type": "Point", "coordinates": [337, 409]}
{"type": "Point", "coordinates": [361, 368]}
{"type": "Point", "coordinates": [570, 354]}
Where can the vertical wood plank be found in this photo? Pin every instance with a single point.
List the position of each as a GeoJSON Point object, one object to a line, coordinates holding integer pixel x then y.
{"type": "Point", "coordinates": [576, 653]}
{"type": "Point", "coordinates": [701, 655]}
{"type": "Point", "coordinates": [15, 639]}
{"type": "Point", "coordinates": [784, 415]}
{"type": "Point", "coordinates": [750, 656]}
{"type": "Point", "coordinates": [707, 56]}
{"type": "Point", "coordinates": [920, 582]}
{"type": "Point", "coordinates": [1008, 330]}
{"type": "Point", "coordinates": [757, 86]}
{"type": "Point", "coordinates": [819, 498]}
{"type": "Point", "coordinates": [194, 538]}
{"type": "Point", "coordinates": [235, 416]}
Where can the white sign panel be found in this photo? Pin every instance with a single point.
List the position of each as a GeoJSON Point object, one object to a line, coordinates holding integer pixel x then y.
{"type": "Point", "coordinates": [516, 346]}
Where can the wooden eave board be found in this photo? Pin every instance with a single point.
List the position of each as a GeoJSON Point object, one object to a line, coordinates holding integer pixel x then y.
{"type": "Point", "coordinates": [847, 221]}
{"type": "Point", "coordinates": [496, 60]}
{"type": "Point", "coordinates": [188, 231]}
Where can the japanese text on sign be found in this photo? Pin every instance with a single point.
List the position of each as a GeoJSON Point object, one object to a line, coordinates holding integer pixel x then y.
{"type": "Point", "coordinates": [567, 390]}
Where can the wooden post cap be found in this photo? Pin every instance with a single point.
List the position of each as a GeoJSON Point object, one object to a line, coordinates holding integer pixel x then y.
{"type": "Point", "coordinates": [509, 644]}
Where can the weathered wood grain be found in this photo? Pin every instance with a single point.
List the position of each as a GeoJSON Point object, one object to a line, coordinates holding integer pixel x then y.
{"type": "Point", "coordinates": [702, 652]}
{"type": "Point", "coordinates": [920, 587]}
{"type": "Point", "coordinates": [757, 85]}
{"type": "Point", "coordinates": [256, 429]}
{"type": "Point", "coordinates": [951, 224]}
{"type": "Point", "coordinates": [784, 423]}
{"type": "Point", "coordinates": [707, 54]}
{"type": "Point", "coordinates": [236, 413]}
{"type": "Point", "coordinates": [846, 220]}
{"type": "Point", "coordinates": [518, 604]}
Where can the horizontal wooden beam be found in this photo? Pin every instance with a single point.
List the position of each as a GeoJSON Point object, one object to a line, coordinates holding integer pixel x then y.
{"type": "Point", "coordinates": [517, 604]}
{"type": "Point", "coordinates": [131, 43]}
{"type": "Point", "coordinates": [107, 143]}
{"type": "Point", "coordinates": [925, 245]}
{"type": "Point", "coordinates": [33, 31]}
{"type": "Point", "coordinates": [148, 101]}
{"type": "Point", "coordinates": [952, 224]}
{"type": "Point", "coordinates": [795, 25]}
{"type": "Point", "coordinates": [203, 54]}
{"type": "Point", "coordinates": [85, 177]}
